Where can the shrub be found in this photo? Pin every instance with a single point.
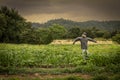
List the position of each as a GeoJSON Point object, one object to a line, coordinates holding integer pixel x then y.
{"type": "Point", "coordinates": [116, 77]}
{"type": "Point", "coordinates": [100, 77]}
{"type": "Point", "coordinates": [113, 68]}
{"type": "Point", "coordinates": [116, 38]}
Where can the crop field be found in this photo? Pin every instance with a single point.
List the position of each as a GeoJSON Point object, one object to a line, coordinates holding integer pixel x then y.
{"type": "Point", "coordinates": [59, 62]}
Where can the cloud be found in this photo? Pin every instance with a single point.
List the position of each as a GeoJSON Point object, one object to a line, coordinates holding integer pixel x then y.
{"type": "Point", "coordinates": [73, 9]}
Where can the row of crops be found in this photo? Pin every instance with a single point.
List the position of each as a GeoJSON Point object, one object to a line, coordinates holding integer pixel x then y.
{"type": "Point", "coordinates": [24, 59]}
{"type": "Point", "coordinates": [24, 55]}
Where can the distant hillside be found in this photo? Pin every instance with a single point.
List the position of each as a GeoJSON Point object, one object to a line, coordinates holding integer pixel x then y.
{"type": "Point", "coordinates": [105, 25]}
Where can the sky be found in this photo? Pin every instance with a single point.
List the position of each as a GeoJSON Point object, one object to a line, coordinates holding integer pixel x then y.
{"type": "Point", "coordinates": [77, 10]}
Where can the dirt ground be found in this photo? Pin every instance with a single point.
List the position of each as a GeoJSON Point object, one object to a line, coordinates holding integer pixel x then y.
{"type": "Point", "coordinates": [46, 76]}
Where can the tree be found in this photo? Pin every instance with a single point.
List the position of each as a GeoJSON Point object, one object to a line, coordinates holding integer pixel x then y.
{"type": "Point", "coordinates": [44, 36]}
{"type": "Point", "coordinates": [99, 33]}
{"type": "Point", "coordinates": [2, 25]}
{"type": "Point", "coordinates": [57, 31]}
{"type": "Point", "coordinates": [106, 35]}
{"type": "Point", "coordinates": [91, 32]}
{"type": "Point", "coordinates": [74, 32]}
{"type": "Point", "coordinates": [36, 36]}
{"type": "Point", "coordinates": [28, 36]}
{"type": "Point", "coordinates": [12, 25]}
{"type": "Point", "coordinates": [116, 38]}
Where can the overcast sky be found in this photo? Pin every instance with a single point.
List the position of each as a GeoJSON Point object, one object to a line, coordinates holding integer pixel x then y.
{"type": "Point", "coordinates": [76, 10]}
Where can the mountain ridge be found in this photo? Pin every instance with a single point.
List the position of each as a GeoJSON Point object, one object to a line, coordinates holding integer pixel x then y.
{"type": "Point", "coordinates": [107, 25]}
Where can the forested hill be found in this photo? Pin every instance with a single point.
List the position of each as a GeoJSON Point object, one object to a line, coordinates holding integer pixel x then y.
{"type": "Point", "coordinates": [15, 29]}
{"type": "Point", "coordinates": [105, 25]}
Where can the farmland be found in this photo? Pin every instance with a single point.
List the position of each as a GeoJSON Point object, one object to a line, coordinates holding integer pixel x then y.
{"type": "Point", "coordinates": [56, 59]}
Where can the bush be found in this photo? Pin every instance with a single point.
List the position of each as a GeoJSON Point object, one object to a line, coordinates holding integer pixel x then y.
{"type": "Point", "coordinates": [113, 68]}
{"type": "Point", "coordinates": [100, 77]}
{"type": "Point", "coordinates": [36, 36]}
{"type": "Point", "coordinates": [116, 77]}
{"type": "Point", "coordinates": [116, 38]}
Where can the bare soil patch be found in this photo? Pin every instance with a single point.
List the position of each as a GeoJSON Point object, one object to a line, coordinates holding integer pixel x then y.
{"type": "Point", "coordinates": [46, 76]}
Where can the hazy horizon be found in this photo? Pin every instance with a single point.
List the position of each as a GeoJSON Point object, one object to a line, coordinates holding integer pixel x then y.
{"type": "Point", "coordinates": [73, 20]}
{"type": "Point", "coordinates": [76, 10]}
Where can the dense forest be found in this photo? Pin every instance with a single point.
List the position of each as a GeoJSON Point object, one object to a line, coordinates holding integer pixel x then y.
{"type": "Point", "coordinates": [103, 25]}
{"type": "Point", "coordinates": [15, 29]}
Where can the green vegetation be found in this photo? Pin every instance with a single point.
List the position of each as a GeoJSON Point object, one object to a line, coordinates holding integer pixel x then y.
{"type": "Point", "coordinates": [100, 77]}
{"type": "Point", "coordinates": [11, 25]}
{"type": "Point", "coordinates": [24, 58]}
{"type": "Point", "coordinates": [59, 59]}
{"type": "Point", "coordinates": [15, 29]}
{"type": "Point", "coordinates": [116, 38]}
{"type": "Point", "coordinates": [55, 55]}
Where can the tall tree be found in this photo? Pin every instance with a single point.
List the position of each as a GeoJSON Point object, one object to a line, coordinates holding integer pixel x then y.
{"type": "Point", "coordinates": [74, 32]}
{"type": "Point", "coordinates": [57, 31]}
{"type": "Point", "coordinates": [12, 24]}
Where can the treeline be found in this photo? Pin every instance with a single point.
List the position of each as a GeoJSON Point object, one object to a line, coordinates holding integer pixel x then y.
{"type": "Point", "coordinates": [102, 25]}
{"type": "Point", "coordinates": [12, 25]}
{"type": "Point", "coordinates": [15, 29]}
